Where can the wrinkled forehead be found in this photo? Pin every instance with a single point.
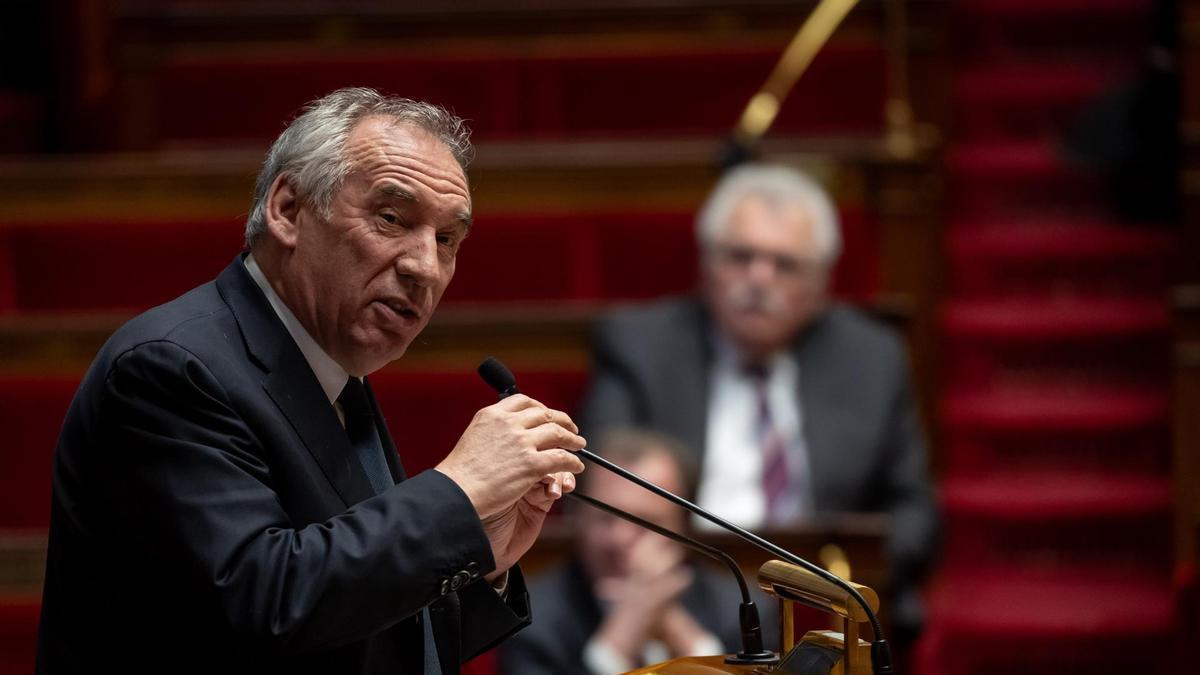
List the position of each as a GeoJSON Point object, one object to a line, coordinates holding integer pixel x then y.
{"type": "Point", "coordinates": [378, 143]}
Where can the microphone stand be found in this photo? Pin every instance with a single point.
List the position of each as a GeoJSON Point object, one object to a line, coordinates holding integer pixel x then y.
{"type": "Point", "coordinates": [751, 627]}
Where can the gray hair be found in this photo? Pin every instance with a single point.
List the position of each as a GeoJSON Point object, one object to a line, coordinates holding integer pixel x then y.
{"type": "Point", "coordinates": [310, 149]}
{"type": "Point", "coordinates": [776, 184]}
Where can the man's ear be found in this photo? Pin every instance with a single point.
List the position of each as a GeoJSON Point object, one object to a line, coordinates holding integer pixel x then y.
{"type": "Point", "coordinates": [283, 211]}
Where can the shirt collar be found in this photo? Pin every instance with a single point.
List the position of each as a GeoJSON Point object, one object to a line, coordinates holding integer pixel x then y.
{"type": "Point", "coordinates": [330, 374]}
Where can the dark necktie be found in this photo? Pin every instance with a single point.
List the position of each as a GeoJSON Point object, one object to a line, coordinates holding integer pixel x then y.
{"type": "Point", "coordinates": [775, 471]}
{"type": "Point", "coordinates": [364, 438]}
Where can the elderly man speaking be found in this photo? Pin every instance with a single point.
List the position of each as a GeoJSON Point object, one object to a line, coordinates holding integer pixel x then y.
{"type": "Point", "coordinates": [227, 497]}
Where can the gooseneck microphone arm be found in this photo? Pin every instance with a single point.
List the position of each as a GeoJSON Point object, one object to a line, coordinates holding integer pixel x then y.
{"type": "Point", "coordinates": [752, 640]}
{"type": "Point", "coordinates": [500, 378]}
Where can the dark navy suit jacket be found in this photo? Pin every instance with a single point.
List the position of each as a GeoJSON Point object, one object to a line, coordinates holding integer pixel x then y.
{"type": "Point", "coordinates": [210, 516]}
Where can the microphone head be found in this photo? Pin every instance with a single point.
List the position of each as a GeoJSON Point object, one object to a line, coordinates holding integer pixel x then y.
{"type": "Point", "coordinates": [498, 376]}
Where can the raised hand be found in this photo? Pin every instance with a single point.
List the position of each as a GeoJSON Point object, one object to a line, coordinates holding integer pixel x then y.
{"type": "Point", "coordinates": [512, 462]}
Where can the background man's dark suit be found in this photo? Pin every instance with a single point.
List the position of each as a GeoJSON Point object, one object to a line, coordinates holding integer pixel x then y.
{"type": "Point", "coordinates": [209, 515]}
{"type": "Point", "coordinates": [865, 451]}
{"type": "Point", "coordinates": [568, 615]}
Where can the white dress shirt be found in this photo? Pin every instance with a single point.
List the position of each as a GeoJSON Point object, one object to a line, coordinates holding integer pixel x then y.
{"type": "Point", "coordinates": [330, 375]}
{"type": "Point", "coordinates": [731, 476]}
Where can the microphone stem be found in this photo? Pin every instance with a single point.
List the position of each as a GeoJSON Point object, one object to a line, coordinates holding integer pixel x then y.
{"type": "Point", "coordinates": [741, 532]}
{"type": "Point", "coordinates": [701, 547]}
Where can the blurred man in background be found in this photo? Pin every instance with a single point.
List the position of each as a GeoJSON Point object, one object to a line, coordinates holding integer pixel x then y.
{"type": "Point", "coordinates": [629, 597]}
{"type": "Point", "coordinates": [794, 405]}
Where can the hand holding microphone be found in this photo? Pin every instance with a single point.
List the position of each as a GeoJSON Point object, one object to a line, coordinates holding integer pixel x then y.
{"type": "Point", "coordinates": [514, 460]}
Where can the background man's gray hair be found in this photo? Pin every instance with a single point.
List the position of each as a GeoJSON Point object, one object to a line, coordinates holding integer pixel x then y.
{"type": "Point", "coordinates": [310, 149]}
{"type": "Point", "coordinates": [777, 185]}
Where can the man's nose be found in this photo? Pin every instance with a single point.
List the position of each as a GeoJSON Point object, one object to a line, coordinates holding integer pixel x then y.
{"type": "Point", "coordinates": [761, 268]}
{"type": "Point", "coordinates": [419, 258]}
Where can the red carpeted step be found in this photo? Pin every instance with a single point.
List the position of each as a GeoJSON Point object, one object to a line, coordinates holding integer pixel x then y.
{"type": "Point", "coordinates": [1081, 410]}
{"type": "Point", "coordinates": [1058, 339]}
{"type": "Point", "coordinates": [1030, 320]}
{"type": "Point", "coordinates": [32, 409]}
{"type": "Point", "coordinates": [1028, 258]}
{"type": "Point", "coordinates": [1045, 8]}
{"type": "Point", "coordinates": [1011, 160]}
{"type": "Point", "coordinates": [1024, 624]}
{"type": "Point", "coordinates": [1027, 100]}
{"type": "Point", "coordinates": [1043, 519]}
{"type": "Point", "coordinates": [1055, 238]}
{"type": "Point", "coordinates": [1019, 179]}
{"type": "Point", "coordinates": [1041, 496]}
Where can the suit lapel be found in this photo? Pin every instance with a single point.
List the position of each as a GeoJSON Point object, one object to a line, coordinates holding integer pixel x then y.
{"type": "Point", "coordinates": [688, 378]}
{"type": "Point", "coordinates": [816, 376]}
{"type": "Point", "coordinates": [291, 384]}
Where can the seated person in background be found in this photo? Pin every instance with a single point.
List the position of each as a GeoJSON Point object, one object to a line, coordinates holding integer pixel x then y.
{"type": "Point", "coordinates": [629, 597]}
{"type": "Point", "coordinates": [793, 404]}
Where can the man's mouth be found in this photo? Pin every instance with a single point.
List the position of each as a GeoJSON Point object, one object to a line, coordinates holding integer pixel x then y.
{"type": "Point", "coordinates": [400, 309]}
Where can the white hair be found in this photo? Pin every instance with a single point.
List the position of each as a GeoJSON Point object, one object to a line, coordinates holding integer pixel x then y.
{"type": "Point", "coordinates": [777, 185]}
{"type": "Point", "coordinates": [310, 149]}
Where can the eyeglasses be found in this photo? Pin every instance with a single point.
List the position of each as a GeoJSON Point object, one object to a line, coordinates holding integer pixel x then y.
{"type": "Point", "coordinates": [784, 265]}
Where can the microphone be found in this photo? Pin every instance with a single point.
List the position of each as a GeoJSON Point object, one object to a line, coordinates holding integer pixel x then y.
{"type": "Point", "coordinates": [500, 378]}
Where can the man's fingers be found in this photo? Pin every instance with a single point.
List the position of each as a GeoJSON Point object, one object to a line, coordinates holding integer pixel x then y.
{"type": "Point", "coordinates": [516, 403]}
{"type": "Point", "coordinates": [554, 436]}
{"type": "Point", "coordinates": [557, 460]}
{"type": "Point", "coordinates": [536, 416]}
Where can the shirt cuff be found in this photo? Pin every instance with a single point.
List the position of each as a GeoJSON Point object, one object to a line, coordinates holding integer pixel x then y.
{"type": "Point", "coordinates": [500, 585]}
{"type": "Point", "coordinates": [600, 659]}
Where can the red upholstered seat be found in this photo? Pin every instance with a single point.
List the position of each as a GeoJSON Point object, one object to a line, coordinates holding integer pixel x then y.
{"type": "Point", "coordinates": [546, 257]}
{"type": "Point", "coordinates": [505, 93]}
{"type": "Point", "coordinates": [428, 411]}
{"type": "Point", "coordinates": [113, 265]}
{"type": "Point", "coordinates": [18, 633]}
{"type": "Point", "coordinates": [32, 409]}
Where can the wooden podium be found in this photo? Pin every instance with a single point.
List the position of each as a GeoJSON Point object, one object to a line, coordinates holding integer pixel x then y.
{"type": "Point", "coordinates": [822, 652]}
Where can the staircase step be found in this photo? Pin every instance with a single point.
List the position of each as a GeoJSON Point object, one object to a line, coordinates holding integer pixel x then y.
{"type": "Point", "coordinates": [1060, 623]}
{"type": "Point", "coordinates": [1039, 496]}
{"type": "Point", "coordinates": [1027, 84]}
{"type": "Point", "coordinates": [1054, 239]}
{"type": "Point", "coordinates": [1054, 410]}
{"type": "Point", "coordinates": [1028, 610]}
{"type": "Point", "coordinates": [1043, 8]}
{"type": "Point", "coordinates": [993, 159]}
{"type": "Point", "coordinates": [1054, 319]}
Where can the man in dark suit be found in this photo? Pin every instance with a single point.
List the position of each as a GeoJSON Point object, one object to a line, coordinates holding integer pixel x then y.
{"type": "Point", "coordinates": [795, 405]}
{"type": "Point", "coordinates": [227, 497]}
{"type": "Point", "coordinates": [629, 597]}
